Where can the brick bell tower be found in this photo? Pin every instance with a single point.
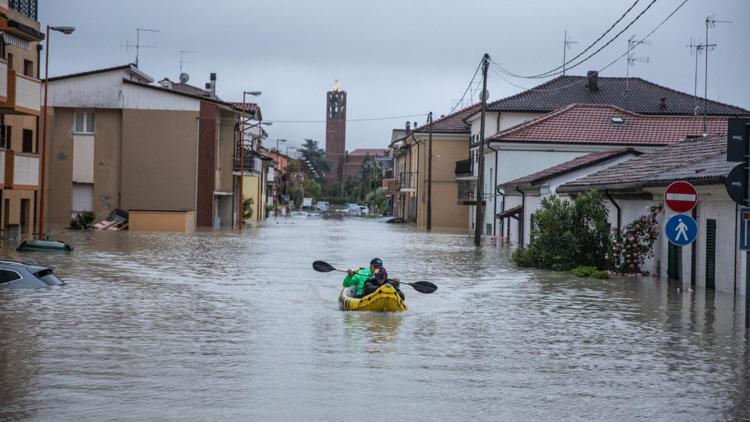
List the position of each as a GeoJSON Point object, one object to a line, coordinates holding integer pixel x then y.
{"type": "Point", "coordinates": [336, 132]}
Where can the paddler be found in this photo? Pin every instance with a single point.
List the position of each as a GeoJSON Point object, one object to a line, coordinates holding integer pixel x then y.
{"type": "Point", "coordinates": [367, 280]}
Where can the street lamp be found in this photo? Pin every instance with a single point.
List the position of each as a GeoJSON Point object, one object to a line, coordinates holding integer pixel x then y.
{"type": "Point", "coordinates": [67, 30]}
{"type": "Point", "coordinates": [242, 153]}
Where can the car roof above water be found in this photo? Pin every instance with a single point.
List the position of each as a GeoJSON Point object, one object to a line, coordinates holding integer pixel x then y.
{"type": "Point", "coordinates": [27, 265]}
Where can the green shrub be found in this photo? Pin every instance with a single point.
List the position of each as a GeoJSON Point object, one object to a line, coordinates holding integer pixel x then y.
{"type": "Point", "coordinates": [590, 272]}
{"type": "Point", "coordinates": [82, 220]}
{"type": "Point", "coordinates": [566, 234]}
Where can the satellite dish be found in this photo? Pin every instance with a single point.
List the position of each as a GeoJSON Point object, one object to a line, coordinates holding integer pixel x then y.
{"type": "Point", "coordinates": [184, 78]}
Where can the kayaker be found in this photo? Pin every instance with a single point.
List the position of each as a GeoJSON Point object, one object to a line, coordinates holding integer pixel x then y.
{"type": "Point", "coordinates": [367, 280]}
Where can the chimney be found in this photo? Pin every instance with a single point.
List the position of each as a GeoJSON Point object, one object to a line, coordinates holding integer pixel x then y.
{"type": "Point", "coordinates": [593, 80]}
{"type": "Point", "coordinates": [663, 104]}
{"type": "Point", "coordinates": [213, 85]}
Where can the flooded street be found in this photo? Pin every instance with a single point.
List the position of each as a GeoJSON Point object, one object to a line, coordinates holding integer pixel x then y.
{"type": "Point", "coordinates": [229, 326]}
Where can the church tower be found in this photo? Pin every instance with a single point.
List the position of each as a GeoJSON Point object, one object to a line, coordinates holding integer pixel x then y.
{"type": "Point", "coordinates": [336, 132]}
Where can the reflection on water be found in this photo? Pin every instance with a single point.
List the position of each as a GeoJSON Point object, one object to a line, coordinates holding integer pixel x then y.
{"type": "Point", "coordinates": [217, 326]}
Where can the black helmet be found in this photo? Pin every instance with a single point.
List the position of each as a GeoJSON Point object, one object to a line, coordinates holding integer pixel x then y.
{"type": "Point", "coordinates": [376, 262]}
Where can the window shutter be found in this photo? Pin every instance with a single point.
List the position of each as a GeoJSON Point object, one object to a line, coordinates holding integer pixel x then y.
{"type": "Point", "coordinates": [711, 254]}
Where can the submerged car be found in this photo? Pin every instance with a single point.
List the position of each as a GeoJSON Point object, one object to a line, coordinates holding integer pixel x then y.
{"type": "Point", "coordinates": [25, 275]}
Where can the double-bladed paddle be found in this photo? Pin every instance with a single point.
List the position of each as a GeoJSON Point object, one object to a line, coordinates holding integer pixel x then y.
{"type": "Point", "coordinates": [420, 286]}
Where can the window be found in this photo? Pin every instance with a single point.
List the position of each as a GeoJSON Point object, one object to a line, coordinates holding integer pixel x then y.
{"type": "Point", "coordinates": [10, 61]}
{"type": "Point", "coordinates": [6, 276]}
{"type": "Point", "coordinates": [28, 68]}
{"type": "Point", "coordinates": [28, 141]}
{"type": "Point", "coordinates": [84, 123]}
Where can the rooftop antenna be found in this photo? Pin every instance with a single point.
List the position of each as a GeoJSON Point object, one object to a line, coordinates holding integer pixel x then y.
{"type": "Point", "coordinates": [632, 60]}
{"type": "Point", "coordinates": [698, 48]}
{"type": "Point", "coordinates": [711, 22]}
{"type": "Point", "coordinates": [138, 44]}
{"type": "Point", "coordinates": [566, 45]}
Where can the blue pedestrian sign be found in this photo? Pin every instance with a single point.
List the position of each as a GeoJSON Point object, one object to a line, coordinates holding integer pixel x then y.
{"type": "Point", "coordinates": [681, 229]}
{"type": "Point", "coordinates": [745, 229]}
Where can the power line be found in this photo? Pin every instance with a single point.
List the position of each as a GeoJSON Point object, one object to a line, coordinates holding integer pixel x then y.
{"type": "Point", "coordinates": [467, 88]}
{"type": "Point", "coordinates": [554, 73]}
{"type": "Point", "coordinates": [612, 63]}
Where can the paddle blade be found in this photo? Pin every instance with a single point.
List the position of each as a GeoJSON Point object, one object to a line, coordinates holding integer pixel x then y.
{"type": "Point", "coordinates": [323, 267]}
{"type": "Point", "coordinates": [424, 287]}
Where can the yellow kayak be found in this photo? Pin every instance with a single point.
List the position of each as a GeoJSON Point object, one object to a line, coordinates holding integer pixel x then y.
{"type": "Point", "coordinates": [384, 299]}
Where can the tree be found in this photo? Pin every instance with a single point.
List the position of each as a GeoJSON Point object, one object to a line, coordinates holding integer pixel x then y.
{"type": "Point", "coordinates": [315, 156]}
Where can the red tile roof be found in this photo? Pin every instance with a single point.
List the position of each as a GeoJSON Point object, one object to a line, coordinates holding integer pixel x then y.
{"type": "Point", "coordinates": [594, 124]}
{"type": "Point", "coordinates": [569, 166]}
{"type": "Point", "coordinates": [452, 123]}
{"type": "Point", "coordinates": [634, 94]}
{"type": "Point", "coordinates": [699, 161]}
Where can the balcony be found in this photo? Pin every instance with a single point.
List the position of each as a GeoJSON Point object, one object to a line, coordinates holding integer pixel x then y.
{"type": "Point", "coordinates": [27, 8]}
{"type": "Point", "coordinates": [20, 18]}
{"type": "Point", "coordinates": [3, 80]}
{"type": "Point", "coordinates": [467, 193]}
{"type": "Point", "coordinates": [251, 164]}
{"type": "Point", "coordinates": [20, 170]}
{"type": "Point", "coordinates": [23, 95]}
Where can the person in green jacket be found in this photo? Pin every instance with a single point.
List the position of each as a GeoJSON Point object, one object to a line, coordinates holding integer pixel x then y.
{"type": "Point", "coordinates": [367, 280]}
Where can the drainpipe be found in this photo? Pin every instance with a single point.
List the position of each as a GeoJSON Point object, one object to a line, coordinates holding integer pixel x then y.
{"type": "Point", "coordinates": [617, 206]}
{"type": "Point", "coordinates": [523, 216]}
{"type": "Point", "coordinates": [502, 206]}
{"type": "Point", "coordinates": [494, 200]}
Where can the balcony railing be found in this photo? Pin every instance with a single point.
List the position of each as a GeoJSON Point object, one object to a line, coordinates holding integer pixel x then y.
{"type": "Point", "coordinates": [26, 170]}
{"type": "Point", "coordinates": [20, 169]}
{"type": "Point", "coordinates": [25, 7]}
{"type": "Point", "coordinates": [3, 80]}
{"type": "Point", "coordinates": [23, 95]}
{"type": "Point", "coordinates": [251, 162]}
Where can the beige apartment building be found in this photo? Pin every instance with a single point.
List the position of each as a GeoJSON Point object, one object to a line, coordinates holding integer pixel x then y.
{"type": "Point", "coordinates": [450, 143]}
{"type": "Point", "coordinates": [118, 141]}
{"type": "Point", "coordinates": [20, 91]}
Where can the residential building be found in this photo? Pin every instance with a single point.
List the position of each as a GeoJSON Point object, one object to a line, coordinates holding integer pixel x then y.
{"type": "Point", "coordinates": [450, 143]}
{"type": "Point", "coordinates": [713, 260]}
{"type": "Point", "coordinates": [575, 131]}
{"type": "Point", "coordinates": [20, 93]}
{"type": "Point", "coordinates": [523, 196]}
{"type": "Point", "coordinates": [355, 159]}
{"type": "Point", "coordinates": [633, 95]}
{"type": "Point", "coordinates": [118, 141]}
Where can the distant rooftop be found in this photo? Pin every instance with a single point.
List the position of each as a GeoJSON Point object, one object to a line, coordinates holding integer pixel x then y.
{"type": "Point", "coordinates": [373, 152]}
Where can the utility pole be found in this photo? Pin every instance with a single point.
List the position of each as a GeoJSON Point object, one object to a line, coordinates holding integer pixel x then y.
{"type": "Point", "coordinates": [429, 172]}
{"type": "Point", "coordinates": [480, 176]}
{"type": "Point", "coordinates": [710, 23]}
{"type": "Point", "coordinates": [566, 45]}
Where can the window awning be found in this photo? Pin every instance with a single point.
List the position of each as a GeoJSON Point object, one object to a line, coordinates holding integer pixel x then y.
{"type": "Point", "coordinates": [512, 212]}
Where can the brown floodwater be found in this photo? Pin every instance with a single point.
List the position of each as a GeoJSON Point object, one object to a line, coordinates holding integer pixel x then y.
{"type": "Point", "coordinates": [229, 326]}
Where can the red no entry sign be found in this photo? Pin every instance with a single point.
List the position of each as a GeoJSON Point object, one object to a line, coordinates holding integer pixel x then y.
{"type": "Point", "coordinates": [681, 196]}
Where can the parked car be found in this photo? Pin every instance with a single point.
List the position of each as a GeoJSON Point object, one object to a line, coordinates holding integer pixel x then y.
{"type": "Point", "coordinates": [25, 275]}
{"type": "Point", "coordinates": [364, 210]}
{"type": "Point", "coordinates": [322, 206]}
{"type": "Point", "coordinates": [353, 209]}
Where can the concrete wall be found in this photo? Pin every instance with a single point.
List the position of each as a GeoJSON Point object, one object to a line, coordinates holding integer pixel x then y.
{"type": "Point", "coordinates": [159, 165]}
{"type": "Point", "coordinates": [181, 222]}
{"type": "Point", "coordinates": [107, 162]}
{"type": "Point", "coordinates": [59, 167]}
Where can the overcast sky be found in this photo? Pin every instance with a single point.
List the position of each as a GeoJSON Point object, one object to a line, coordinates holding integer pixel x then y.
{"type": "Point", "coordinates": [393, 57]}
